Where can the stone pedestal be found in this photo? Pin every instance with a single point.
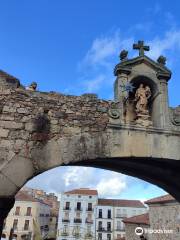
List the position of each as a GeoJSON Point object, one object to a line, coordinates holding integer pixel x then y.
{"type": "Point", "coordinates": [143, 120]}
{"type": "Point", "coordinates": [6, 204]}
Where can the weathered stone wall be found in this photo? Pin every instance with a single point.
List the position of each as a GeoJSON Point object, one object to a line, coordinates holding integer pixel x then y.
{"type": "Point", "coordinates": [30, 120]}
{"type": "Point", "coordinates": [130, 231]}
{"type": "Point", "coordinates": [175, 117]}
{"type": "Point", "coordinates": [40, 131]}
{"type": "Point", "coordinates": [165, 216]}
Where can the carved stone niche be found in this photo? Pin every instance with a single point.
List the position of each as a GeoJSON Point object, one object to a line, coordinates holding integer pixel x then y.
{"type": "Point", "coordinates": [132, 114]}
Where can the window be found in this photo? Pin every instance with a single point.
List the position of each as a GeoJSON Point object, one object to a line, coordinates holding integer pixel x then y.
{"type": "Point", "coordinates": [99, 236]}
{"type": "Point", "coordinates": [100, 225]}
{"type": "Point", "coordinates": [15, 224]}
{"type": "Point", "coordinates": [108, 236]}
{"type": "Point", "coordinates": [26, 225]}
{"type": "Point", "coordinates": [108, 226]}
{"type": "Point", "coordinates": [79, 196]}
{"type": "Point", "coordinates": [90, 196]}
{"type": "Point", "coordinates": [89, 206]}
{"type": "Point", "coordinates": [28, 213]}
{"type": "Point", "coordinates": [46, 227]}
{"type": "Point", "coordinates": [109, 213]}
{"type": "Point", "coordinates": [67, 206]}
{"type": "Point", "coordinates": [17, 212]}
{"type": "Point", "coordinates": [100, 213]}
{"type": "Point", "coordinates": [118, 213]}
{"type": "Point", "coordinates": [79, 206]}
{"type": "Point", "coordinates": [118, 225]}
{"type": "Point", "coordinates": [65, 229]}
{"type": "Point", "coordinates": [76, 231]}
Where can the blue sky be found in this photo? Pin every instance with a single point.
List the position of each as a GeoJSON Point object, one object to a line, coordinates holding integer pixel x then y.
{"type": "Point", "coordinates": [72, 47]}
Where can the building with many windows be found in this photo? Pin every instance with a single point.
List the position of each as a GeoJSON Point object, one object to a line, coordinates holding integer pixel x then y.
{"type": "Point", "coordinates": [110, 214]}
{"type": "Point", "coordinates": [28, 217]}
{"type": "Point", "coordinates": [52, 200]}
{"type": "Point", "coordinates": [83, 216]}
{"type": "Point", "coordinates": [77, 214]}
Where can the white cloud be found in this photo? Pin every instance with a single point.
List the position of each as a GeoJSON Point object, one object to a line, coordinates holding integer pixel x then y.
{"type": "Point", "coordinates": [62, 179]}
{"type": "Point", "coordinates": [93, 85]}
{"type": "Point", "coordinates": [105, 47]}
{"type": "Point", "coordinates": [111, 187]}
{"type": "Point", "coordinates": [159, 46]}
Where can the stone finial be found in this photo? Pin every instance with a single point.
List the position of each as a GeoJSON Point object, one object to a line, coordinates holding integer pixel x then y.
{"type": "Point", "coordinates": [32, 87]}
{"type": "Point", "coordinates": [161, 60]}
{"type": "Point", "coordinates": [123, 55]}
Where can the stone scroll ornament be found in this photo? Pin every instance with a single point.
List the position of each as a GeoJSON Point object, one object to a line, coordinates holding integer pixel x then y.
{"type": "Point", "coordinates": [114, 112]}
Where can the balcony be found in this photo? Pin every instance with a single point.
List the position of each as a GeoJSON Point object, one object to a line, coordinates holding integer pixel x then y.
{"type": "Point", "coordinates": [77, 220]}
{"type": "Point", "coordinates": [64, 234]}
{"type": "Point", "coordinates": [65, 220]}
{"type": "Point", "coordinates": [28, 215]}
{"type": "Point", "coordinates": [66, 208]}
{"type": "Point", "coordinates": [16, 214]}
{"type": "Point", "coordinates": [104, 230]}
{"type": "Point", "coordinates": [78, 209]}
{"type": "Point", "coordinates": [76, 235]}
{"type": "Point", "coordinates": [88, 236]}
{"type": "Point", "coordinates": [89, 209]}
{"type": "Point", "coordinates": [89, 221]}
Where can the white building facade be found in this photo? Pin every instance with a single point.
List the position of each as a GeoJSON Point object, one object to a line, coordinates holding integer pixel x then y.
{"type": "Point", "coordinates": [77, 214]}
{"type": "Point", "coordinates": [83, 216]}
{"type": "Point", "coordinates": [110, 214]}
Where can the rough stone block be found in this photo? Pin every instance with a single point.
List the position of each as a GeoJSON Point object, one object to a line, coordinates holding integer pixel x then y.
{"type": "Point", "coordinates": [11, 124]}
{"type": "Point", "coordinates": [22, 110]}
{"type": "Point", "coordinates": [9, 109]}
{"type": "Point", "coordinates": [4, 132]}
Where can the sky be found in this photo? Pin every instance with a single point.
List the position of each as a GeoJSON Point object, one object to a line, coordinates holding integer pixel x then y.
{"type": "Point", "coordinates": [72, 47]}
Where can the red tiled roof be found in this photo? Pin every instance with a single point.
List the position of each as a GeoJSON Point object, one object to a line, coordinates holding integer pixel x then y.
{"type": "Point", "coordinates": [83, 191]}
{"type": "Point", "coordinates": [121, 203]}
{"type": "Point", "coordinates": [24, 196]}
{"type": "Point", "coordinates": [161, 199]}
{"type": "Point", "coordinates": [139, 219]}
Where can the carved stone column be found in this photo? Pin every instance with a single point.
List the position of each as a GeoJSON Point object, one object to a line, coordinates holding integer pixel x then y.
{"type": "Point", "coordinates": [164, 101]}
{"type": "Point", "coordinates": [121, 80]}
{"type": "Point", "coordinates": [6, 203]}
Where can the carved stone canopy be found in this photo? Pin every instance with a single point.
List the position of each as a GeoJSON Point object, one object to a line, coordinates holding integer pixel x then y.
{"type": "Point", "coordinates": [154, 76]}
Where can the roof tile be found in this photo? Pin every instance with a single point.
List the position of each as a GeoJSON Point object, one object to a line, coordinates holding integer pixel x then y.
{"type": "Point", "coordinates": [120, 203]}
{"type": "Point", "coordinates": [139, 219]}
{"type": "Point", "coordinates": [83, 191]}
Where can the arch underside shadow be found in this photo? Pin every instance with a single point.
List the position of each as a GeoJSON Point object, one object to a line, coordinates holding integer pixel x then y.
{"type": "Point", "coordinates": [150, 170]}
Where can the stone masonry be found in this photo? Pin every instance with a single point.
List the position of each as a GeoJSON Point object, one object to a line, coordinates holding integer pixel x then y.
{"type": "Point", "coordinates": [40, 131]}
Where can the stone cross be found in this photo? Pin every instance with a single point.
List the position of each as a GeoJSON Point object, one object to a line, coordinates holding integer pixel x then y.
{"type": "Point", "coordinates": [140, 46]}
